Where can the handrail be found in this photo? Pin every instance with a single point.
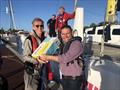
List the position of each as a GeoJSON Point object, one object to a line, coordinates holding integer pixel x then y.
{"type": "Point", "coordinates": [9, 46]}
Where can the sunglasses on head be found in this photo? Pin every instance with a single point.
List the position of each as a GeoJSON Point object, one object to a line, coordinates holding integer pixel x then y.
{"type": "Point", "coordinates": [39, 26]}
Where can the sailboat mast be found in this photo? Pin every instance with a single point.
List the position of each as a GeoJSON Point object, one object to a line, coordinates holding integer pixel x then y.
{"type": "Point", "coordinates": [12, 19]}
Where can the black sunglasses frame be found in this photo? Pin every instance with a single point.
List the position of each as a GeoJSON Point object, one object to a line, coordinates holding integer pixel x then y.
{"type": "Point", "coordinates": [42, 26]}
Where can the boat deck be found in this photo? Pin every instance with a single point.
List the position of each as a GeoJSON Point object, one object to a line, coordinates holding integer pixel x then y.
{"type": "Point", "coordinates": [11, 69]}
{"type": "Point", "coordinates": [110, 52]}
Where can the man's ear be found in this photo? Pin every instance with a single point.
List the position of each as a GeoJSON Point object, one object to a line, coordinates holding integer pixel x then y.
{"type": "Point", "coordinates": [33, 28]}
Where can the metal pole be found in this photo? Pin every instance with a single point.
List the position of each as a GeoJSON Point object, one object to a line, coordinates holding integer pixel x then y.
{"type": "Point", "coordinates": [116, 13]}
{"type": "Point", "coordinates": [75, 4]}
{"type": "Point", "coordinates": [103, 37]}
{"type": "Point", "coordinates": [0, 13]}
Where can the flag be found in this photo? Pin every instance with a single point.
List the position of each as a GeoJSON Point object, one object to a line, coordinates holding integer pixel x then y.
{"type": "Point", "coordinates": [110, 11]}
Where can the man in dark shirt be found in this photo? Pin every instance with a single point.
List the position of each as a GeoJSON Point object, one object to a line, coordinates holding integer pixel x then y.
{"type": "Point", "coordinates": [51, 26]}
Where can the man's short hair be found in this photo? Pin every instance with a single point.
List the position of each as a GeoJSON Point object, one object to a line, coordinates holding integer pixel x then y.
{"type": "Point", "coordinates": [37, 19]}
{"type": "Point", "coordinates": [54, 15]}
{"type": "Point", "coordinates": [67, 27]}
{"type": "Point", "coordinates": [61, 7]}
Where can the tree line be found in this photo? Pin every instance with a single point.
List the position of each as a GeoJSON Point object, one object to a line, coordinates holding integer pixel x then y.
{"type": "Point", "coordinates": [3, 31]}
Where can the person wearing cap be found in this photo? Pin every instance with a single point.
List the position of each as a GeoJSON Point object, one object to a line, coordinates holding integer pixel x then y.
{"type": "Point", "coordinates": [51, 26]}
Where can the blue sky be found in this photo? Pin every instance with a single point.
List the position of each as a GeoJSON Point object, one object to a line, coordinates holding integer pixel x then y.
{"type": "Point", "coordinates": [26, 10]}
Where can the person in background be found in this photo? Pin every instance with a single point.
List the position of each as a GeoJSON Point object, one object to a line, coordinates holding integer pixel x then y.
{"type": "Point", "coordinates": [69, 59]}
{"type": "Point", "coordinates": [62, 18]}
{"type": "Point", "coordinates": [32, 66]}
{"type": "Point", "coordinates": [75, 33]}
{"type": "Point", "coordinates": [20, 38]}
{"type": "Point", "coordinates": [51, 26]}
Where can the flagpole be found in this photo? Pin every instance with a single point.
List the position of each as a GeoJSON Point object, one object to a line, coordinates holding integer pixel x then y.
{"type": "Point", "coordinates": [103, 36]}
{"type": "Point", "coordinates": [0, 13]}
{"type": "Point", "coordinates": [75, 4]}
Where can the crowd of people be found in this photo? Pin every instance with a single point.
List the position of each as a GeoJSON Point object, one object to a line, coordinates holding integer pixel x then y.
{"type": "Point", "coordinates": [67, 60]}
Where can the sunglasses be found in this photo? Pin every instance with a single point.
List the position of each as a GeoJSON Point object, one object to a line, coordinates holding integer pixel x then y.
{"type": "Point", "coordinates": [42, 26]}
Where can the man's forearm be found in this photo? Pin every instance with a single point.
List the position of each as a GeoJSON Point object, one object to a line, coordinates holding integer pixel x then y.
{"type": "Point", "coordinates": [52, 58]}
